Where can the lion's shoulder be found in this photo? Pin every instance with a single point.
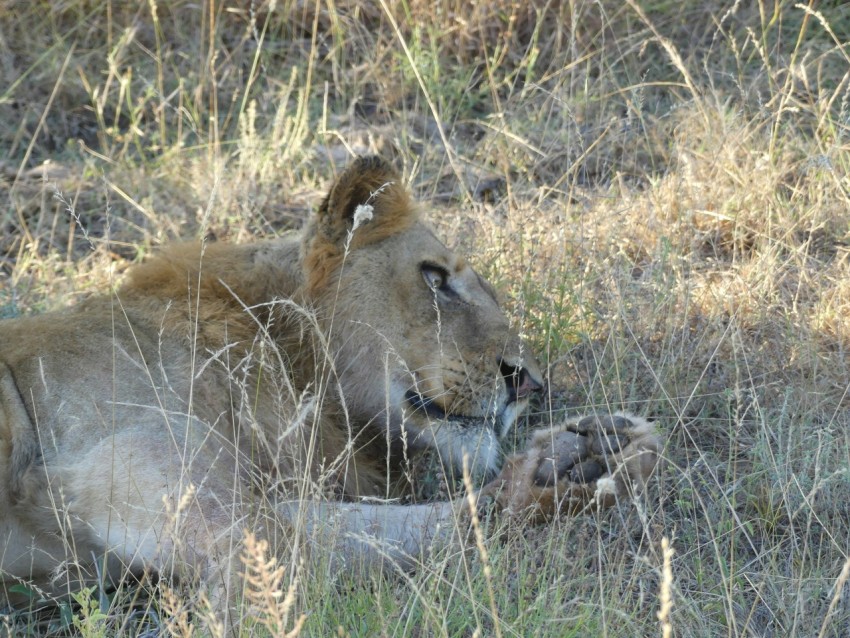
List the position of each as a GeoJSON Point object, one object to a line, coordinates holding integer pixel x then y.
{"type": "Point", "coordinates": [214, 291]}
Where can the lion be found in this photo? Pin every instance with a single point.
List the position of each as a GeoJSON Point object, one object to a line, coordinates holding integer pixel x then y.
{"type": "Point", "coordinates": [281, 386]}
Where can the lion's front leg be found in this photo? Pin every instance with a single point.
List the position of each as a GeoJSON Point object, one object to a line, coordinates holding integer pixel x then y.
{"type": "Point", "coordinates": [369, 535]}
{"type": "Point", "coordinates": [584, 462]}
{"type": "Point", "coordinates": [590, 461]}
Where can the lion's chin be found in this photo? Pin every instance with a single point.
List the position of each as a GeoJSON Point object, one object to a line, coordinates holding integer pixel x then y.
{"type": "Point", "coordinates": [475, 439]}
{"type": "Point", "coordinates": [469, 442]}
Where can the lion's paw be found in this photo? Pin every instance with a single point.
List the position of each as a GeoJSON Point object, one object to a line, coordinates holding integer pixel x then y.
{"type": "Point", "coordinates": [590, 461]}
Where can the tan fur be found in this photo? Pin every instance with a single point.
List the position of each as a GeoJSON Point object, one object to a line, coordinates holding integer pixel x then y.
{"type": "Point", "coordinates": [225, 387]}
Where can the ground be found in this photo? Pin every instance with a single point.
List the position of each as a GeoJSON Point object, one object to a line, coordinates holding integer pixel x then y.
{"type": "Point", "coordinates": [660, 191]}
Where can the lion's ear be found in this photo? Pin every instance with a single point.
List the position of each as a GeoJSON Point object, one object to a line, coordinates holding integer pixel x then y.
{"type": "Point", "coordinates": [373, 183]}
{"type": "Point", "coordinates": [387, 209]}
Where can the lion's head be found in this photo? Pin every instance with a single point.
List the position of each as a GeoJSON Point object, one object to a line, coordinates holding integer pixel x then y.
{"type": "Point", "coordinates": [421, 347]}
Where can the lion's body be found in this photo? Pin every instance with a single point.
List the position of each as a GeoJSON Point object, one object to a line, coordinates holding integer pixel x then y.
{"type": "Point", "coordinates": [222, 385]}
{"type": "Point", "coordinates": [112, 410]}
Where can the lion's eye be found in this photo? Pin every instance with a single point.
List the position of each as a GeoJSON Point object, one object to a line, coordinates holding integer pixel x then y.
{"type": "Point", "coordinates": [435, 276]}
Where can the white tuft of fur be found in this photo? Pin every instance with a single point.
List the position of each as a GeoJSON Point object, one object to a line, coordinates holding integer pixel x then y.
{"type": "Point", "coordinates": [509, 415]}
{"type": "Point", "coordinates": [606, 486]}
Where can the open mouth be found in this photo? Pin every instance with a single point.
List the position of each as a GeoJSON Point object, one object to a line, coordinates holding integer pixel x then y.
{"type": "Point", "coordinates": [428, 406]}
{"type": "Point", "coordinates": [431, 408]}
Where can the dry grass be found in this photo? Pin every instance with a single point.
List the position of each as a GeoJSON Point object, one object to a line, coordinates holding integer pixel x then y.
{"type": "Point", "coordinates": [661, 189]}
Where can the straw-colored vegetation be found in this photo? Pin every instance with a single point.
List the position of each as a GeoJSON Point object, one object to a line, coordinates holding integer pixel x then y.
{"type": "Point", "coordinates": [660, 190]}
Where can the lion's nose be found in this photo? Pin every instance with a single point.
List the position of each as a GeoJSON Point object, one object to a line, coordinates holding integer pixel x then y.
{"type": "Point", "coordinates": [518, 380]}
